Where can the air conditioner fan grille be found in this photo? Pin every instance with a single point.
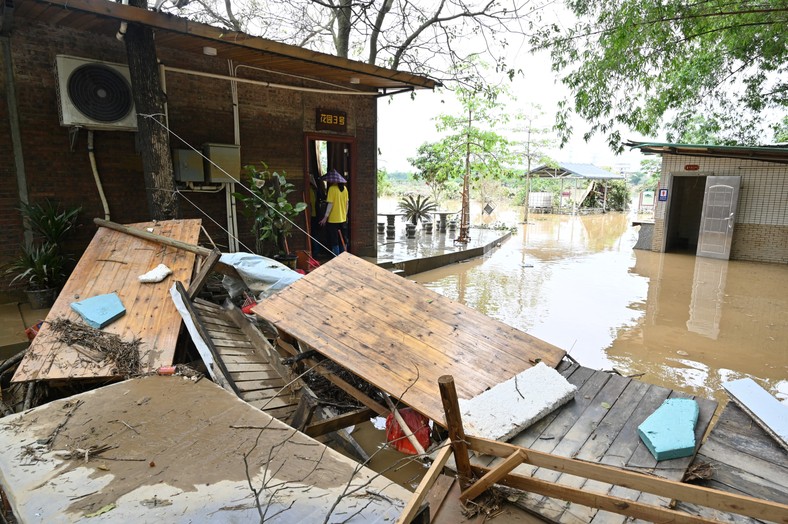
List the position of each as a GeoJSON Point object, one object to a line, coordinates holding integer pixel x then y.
{"type": "Point", "coordinates": [100, 93]}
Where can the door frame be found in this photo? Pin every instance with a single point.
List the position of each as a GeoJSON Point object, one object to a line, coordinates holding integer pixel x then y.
{"type": "Point", "coordinates": [669, 202]}
{"type": "Point", "coordinates": [352, 175]}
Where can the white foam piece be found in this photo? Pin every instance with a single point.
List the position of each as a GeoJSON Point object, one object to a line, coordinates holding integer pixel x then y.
{"type": "Point", "coordinates": [507, 408]}
{"type": "Point", "coordinates": [157, 274]}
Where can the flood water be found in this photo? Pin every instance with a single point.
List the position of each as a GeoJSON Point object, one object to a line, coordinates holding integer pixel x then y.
{"type": "Point", "coordinates": [685, 322]}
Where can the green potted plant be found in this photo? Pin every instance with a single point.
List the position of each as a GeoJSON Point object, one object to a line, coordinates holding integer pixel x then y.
{"type": "Point", "coordinates": [42, 268]}
{"type": "Point", "coordinates": [417, 208]}
{"type": "Point", "coordinates": [42, 265]}
{"type": "Point", "coordinates": [271, 213]}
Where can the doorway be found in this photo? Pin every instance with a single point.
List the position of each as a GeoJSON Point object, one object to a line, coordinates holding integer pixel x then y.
{"type": "Point", "coordinates": [686, 207]}
{"type": "Point", "coordinates": [324, 153]}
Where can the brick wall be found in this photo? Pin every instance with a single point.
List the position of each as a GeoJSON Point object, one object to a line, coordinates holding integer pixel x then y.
{"type": "Point", "coordinates": [273, 123]}
{"type": "Point", "coordinates": [761, 229]}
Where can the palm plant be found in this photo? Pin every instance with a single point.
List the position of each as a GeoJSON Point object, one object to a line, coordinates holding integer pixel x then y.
{"type": "Point", "coordinates": [417, 208]}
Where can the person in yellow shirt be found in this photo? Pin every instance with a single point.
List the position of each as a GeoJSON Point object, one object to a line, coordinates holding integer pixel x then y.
{"type": "Point", "coordinates": [335, 217]}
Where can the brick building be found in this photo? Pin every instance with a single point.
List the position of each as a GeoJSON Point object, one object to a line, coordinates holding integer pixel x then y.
{"type": "Point", "coordinates": [256, 99]}
{"type": "Point", "coordinates": [722, 201]}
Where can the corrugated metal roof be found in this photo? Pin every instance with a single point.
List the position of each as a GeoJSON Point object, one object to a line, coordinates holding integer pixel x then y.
{"type": "Point", "coordinates": [571, 170]}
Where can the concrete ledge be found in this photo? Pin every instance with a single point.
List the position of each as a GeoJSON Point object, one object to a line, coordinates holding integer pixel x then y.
{"type": "Point", "coordinates": [419, 265]}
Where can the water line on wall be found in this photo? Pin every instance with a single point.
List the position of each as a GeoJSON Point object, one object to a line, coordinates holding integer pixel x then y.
{"type": "Point", "coordinates": [94, 168]}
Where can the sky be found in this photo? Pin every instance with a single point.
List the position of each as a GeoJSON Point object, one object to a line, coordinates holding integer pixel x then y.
{"type": "Point", "coordinates": [405, 123]}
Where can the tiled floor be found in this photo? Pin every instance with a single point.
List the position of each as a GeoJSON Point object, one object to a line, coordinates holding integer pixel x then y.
{"type": "Point", "coordinates": [14, 319]}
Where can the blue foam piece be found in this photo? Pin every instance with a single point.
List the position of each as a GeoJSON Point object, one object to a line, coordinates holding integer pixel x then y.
{"type": "Point", "coordinates": [100, 310]}
{"type": "Point", "coordinates": [669, 432]}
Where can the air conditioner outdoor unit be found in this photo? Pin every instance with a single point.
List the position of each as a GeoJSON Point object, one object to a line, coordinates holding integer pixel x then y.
{"type": "Point", "coordinates": [95, 94]}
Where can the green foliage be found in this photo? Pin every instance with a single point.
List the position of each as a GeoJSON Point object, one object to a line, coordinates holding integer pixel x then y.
{"type": "Point", "coordinates": [617, 195]}
{"type": "Point", "coordinates": [648, 175]}
{"type": "Point", "coordinates": [267, 206]}
{"type": "Point", "coordinates": [384, 184]}
{"type": "Point", "coordinates": [436, 167]}
{"type": "Point", "coordinates": [48, 221]}
{"type": "Point", "coordinates": [470, 146]}
{"type": "Point", "coordinates": [40, 266]}
{"type": "Point", "coordinates": [633, 64]}
{"type": "Point", "coordinates": [417, 208]}
{"type": "Point", "coordinates": [780, 130]}
{"type": "Point", "coordinates": [43, 265]}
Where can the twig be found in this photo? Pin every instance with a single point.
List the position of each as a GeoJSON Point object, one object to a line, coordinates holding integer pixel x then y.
{"type": "Point", "coordinates": [518, 388]}
{"type": "Point", "coordinates": [130, 427]}
{"type": "Point", "coordinates": [53, 435]}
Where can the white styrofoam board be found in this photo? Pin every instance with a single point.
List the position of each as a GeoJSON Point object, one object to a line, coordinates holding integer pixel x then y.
{"type": "Point", "coordinates": [508, 408]}
{"type": "Point", "coordinates": [766, 410]}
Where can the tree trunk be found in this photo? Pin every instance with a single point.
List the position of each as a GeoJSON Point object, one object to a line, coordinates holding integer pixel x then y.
{"type": "Point", "coordinates": [342, 41]}
{"type": "Point", "coordinates": [153, 138]}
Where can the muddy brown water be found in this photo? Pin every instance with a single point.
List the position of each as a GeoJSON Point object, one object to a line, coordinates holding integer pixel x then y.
{"type": "Point", "coordinates": [685, 322]}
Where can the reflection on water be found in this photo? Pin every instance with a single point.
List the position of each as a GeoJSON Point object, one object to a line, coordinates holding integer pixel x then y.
{"type": "Point", "coordinates": [688, 323]}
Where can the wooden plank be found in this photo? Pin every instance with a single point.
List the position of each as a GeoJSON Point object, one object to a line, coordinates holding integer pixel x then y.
{"type": "Point", "coordinates": [666, 488]}
{"type": "Point", "coordinates": [375, 329]}
{"type": "Point", "coordinates": [748, 439]}
{"type": "Point", "coordinates": [247, 386]}
{"type": "Point", "coordinates": [218, 361]}
{"type": "Point", "coordinates": [453, 423]}
{"type": "Point", "coordinates": [205, 271]}
{"type": "Point", "coordinates": [606, 502]}
{"type": "Point", "coordinates": [494, 475]}
{"type": "Point", "coordinates": [111, 263]}
{"type": "Point", "coordinates": [765, 410]}
{"type": "Point", "coordinates": [342, 421]}
{"type": "Point", "coordinates": [260, 343]}
{"type": "Point", "coordinates": [414, 504]}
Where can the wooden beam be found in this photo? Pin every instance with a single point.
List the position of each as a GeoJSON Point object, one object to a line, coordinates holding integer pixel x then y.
{"type": "Point", "coordinates": [141, 233]}
{"type": "Point", "coordinates": [720, 500]}
{"type": "Point", "coordinates": [305, 410]}
{"type": "Point", "coordinates": [494, 475]}
{"type": "Point", "coordinates": [208, 264]}
{"type": "Point", "coordinates": [601, 501]}
{"type": "Point", "coordinates": [342, 421]}
{"type": "Point", "coordinates": [337, 381]}
{"type": "Point", "coordinates": [451, 408]}
{"type": "Point", "coordinates": [414, 505]}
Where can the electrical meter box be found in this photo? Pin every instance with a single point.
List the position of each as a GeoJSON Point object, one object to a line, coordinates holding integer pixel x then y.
{"type": "Point", "coordinates": [188, 165]}
{"type": "Point", "coordinates": [228, 159]}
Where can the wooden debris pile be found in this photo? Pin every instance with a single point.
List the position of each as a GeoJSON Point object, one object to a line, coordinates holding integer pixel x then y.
{"type": "Point", "coordinates": [98, 346]}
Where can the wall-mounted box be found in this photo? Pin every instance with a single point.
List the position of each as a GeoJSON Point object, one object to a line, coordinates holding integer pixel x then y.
{"type": "Point", "coordinates": [188, 165]}
{"type": "Point", "coordinates": [228, 159]}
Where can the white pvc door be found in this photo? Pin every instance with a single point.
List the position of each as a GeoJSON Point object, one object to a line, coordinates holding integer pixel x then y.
{"type": "Point", "coordinates": [719, 212]}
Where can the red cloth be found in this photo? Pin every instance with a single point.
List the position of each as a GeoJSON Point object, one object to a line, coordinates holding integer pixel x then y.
{"type": "Point", "coordinates": [419, 426]}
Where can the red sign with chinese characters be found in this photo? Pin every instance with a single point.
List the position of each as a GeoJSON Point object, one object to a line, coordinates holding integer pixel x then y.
{"type": "Point", "coordinates": [691, 167]}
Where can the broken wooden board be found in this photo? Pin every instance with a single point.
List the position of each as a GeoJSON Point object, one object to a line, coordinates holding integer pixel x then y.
{"type": "Point", "coordinates": [765, 410]}
{"type": "Point", "coordinates": [178, 451]}
{"type": "Point", "coordinates": [400, 336]}
{"type": "Point", "coordinates": [740, 457]}
{"type": "Point", "coordinates": [600, 426]}
{"type": "Point", "coordinates": [111, 263]}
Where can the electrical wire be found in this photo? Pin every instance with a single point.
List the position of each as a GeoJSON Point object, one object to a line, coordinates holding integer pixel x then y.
{"type": "Point", "coordinates": [237, 181]}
